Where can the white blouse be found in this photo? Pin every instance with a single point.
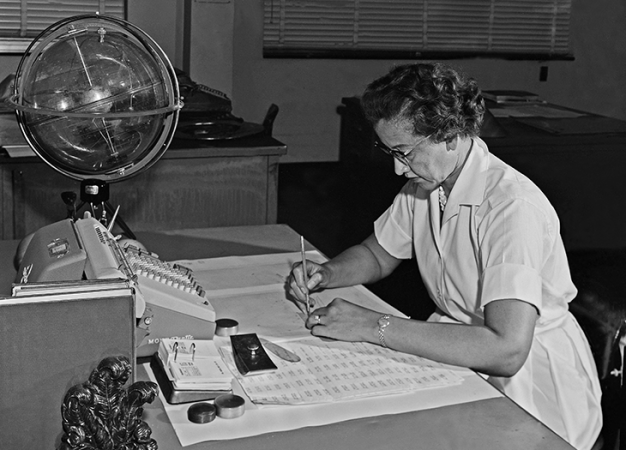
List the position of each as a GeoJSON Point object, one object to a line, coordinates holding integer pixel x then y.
{"type": "Point", "coordinates": [499, 238]}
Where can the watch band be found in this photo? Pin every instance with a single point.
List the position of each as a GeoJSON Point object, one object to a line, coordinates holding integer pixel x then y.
{"type": "Point", "coordinates": [383, 323]}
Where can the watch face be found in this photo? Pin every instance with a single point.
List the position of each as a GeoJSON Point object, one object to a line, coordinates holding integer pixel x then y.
{"type": "Point", "coordinates": [383, 321]}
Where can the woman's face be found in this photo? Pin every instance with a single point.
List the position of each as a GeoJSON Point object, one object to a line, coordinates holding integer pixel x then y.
{"type": "Point", "coordinates": [426, 162]}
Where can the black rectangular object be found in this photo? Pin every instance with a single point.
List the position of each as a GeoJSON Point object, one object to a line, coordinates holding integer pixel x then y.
{"type": "Point", "coordinates": [250, 356]}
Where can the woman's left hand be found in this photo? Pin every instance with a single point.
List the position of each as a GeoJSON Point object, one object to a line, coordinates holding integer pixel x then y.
{"type": "Point", "coordinates": [345, 321]}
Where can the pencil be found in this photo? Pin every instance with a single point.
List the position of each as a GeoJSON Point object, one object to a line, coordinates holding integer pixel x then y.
{"type": "Point", "coordinates": [113, 218]}
{"type": "Point", "coordinates": [305, 275]}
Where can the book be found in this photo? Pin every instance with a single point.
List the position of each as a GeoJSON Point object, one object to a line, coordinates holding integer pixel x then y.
{"type": "Point", "coordinates": [52, 342]}
{"type": "Point", "coordinates": [504, 96]}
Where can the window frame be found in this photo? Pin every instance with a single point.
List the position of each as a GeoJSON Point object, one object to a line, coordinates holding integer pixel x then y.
{"type": "Point", "coordinates": [16, 40]}
{"type": "Point", "coordinates": [297, 24]}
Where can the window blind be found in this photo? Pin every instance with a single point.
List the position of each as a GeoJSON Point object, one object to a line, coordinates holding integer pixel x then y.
{"type": "Point", "coordinates": [413, 28]}
{"type": "Point", "coordinates": [27, 18]}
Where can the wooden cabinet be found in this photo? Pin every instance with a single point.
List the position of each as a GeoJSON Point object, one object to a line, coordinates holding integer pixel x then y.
{"type": "Point", "coordinates": [196, 184]}
{"type": "Point", "coordinates": [577, 162]}
{"type": "Point", "coordinates": [581, 174]}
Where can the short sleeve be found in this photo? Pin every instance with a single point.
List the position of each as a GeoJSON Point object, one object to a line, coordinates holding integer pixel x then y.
{"type": "Point", "coordinates": [393, 229]}
{"type": "Point", "coordinates": [514, 238]}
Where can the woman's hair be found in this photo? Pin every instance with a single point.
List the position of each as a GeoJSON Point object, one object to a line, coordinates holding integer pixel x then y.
{"type": "Point", "coordinates": [436, 99]}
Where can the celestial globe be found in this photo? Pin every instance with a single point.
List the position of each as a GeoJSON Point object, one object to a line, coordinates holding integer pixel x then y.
{"type": "Point", "coordinates": [96, 98]}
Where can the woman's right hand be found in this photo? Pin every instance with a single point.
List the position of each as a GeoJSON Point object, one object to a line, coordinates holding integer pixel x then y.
{"type": "Point", "coordinates": [317, 277]}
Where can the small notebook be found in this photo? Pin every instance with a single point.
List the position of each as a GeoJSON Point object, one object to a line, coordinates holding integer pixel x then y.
{"type": "Point", "coordinates": [194, 365]}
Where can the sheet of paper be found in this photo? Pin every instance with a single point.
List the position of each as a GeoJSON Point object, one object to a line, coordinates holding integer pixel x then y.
{"type": "Point", "coordinates": [334, 371]}
{"type": "Point", "coordinates": [534, 110]}
{"type": "Point", "coordinates": [269, 419]}
{"type": "Point", "coordinates": [19, 151]}
{"type": "Point", "coordinates": [582, 125]}
{"type": "Point", "coordinates": [232, 272]}
{"type": "Point", "coordinates": [252, 291]}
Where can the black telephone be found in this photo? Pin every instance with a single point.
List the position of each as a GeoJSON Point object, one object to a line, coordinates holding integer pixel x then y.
{"type": "Point", "coordinates": [200, 100]}
{"type": "Point", "coordinates": [207, 114]}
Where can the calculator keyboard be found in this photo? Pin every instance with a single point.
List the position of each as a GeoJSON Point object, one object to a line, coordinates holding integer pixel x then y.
{"type": "Point", "coordinates": [168, 285]}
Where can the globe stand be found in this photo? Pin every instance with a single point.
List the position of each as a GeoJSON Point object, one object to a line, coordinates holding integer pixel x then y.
{"type": "Point", "coordinates": [95, 193]}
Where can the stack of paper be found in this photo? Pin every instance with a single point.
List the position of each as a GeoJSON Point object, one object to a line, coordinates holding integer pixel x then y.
{"type": "Point", "coordinates": [505, 96]}
{"type": "Point", "coordinates": [87, 287]}
{"type": "Point", "coordinates": [194, 365]}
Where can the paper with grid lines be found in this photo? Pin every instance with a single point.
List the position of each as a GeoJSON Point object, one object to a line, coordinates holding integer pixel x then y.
{"type": "Point", "coordinates": [333, 371]}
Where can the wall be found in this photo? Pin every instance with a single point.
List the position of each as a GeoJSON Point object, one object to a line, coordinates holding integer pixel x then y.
{"type": "Point", "coordinates": [308, 92]}
{"type": "Point", "coordinates": [162, 20]}
{"type": "Point", "coordinates": [209, 58]}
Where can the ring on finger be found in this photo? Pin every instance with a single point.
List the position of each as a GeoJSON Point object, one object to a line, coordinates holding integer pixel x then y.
{"type": "Point", "coordinates": [318, 319]}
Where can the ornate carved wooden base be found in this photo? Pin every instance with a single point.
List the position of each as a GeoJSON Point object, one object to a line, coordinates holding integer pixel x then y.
{"type": "Point", "coordinates": [100, 414]}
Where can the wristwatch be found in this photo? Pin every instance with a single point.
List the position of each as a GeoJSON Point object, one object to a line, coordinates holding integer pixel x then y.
{"type": "Point", "coordinates": [383, 323]}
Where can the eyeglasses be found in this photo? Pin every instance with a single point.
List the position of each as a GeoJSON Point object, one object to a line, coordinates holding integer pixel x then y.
{"type": "Point", "coordinates": [403, 157]}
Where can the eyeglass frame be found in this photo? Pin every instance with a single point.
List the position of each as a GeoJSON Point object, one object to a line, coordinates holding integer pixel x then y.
{"type": "Point", "coordinates": [400, 156]}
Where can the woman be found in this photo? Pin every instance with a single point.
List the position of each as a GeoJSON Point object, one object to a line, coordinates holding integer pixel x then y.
{"type": "Point", "coordinates": [487, 244]}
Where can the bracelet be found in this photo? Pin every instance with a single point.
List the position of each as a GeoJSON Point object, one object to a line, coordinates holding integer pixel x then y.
{"type": "Point", "coordinates": [383, 323]}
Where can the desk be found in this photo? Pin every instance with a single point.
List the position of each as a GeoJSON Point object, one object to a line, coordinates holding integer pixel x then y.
{"type": "Point", "coordinates": [491, 424]}
{"type": "Point", "coordinates": [579, 169]}
{"type": "Point", "coordinates": [195, 184]}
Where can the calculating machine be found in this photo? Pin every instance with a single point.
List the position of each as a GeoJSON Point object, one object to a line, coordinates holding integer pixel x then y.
{"type": "Point", "coordinates": [169, 302]}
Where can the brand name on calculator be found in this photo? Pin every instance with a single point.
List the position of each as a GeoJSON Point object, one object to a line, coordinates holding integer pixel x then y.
{"type": "Point", "coordinates": [188, 337]}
